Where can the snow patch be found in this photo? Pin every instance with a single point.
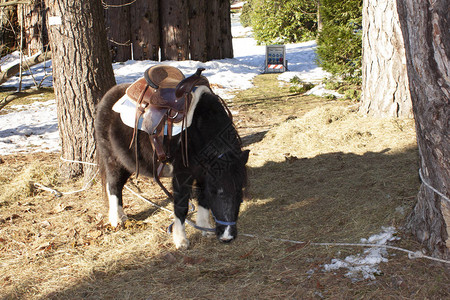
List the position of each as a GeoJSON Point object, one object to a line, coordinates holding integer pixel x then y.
{"type": "Point", "coordinates": [365, 265]}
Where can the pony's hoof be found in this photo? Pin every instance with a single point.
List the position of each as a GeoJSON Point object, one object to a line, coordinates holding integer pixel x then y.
{"type": "Point", "coordinates": [118, 221]}
{"type": "Point", "coordinates": [182, 244]}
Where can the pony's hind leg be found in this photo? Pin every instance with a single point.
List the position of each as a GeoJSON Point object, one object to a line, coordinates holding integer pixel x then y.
{"type": "Point", "coordinates": [114, 186]}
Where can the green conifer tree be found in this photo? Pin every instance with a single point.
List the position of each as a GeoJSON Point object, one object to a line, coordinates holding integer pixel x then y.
{"type": "Point", "coordinates": [339, 43]}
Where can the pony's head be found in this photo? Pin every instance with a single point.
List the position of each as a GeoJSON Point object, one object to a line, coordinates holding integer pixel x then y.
{"type": "Point", "coordinates": [224, 184]}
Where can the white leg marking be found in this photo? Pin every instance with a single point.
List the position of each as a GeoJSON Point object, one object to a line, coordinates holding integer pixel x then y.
{"type": "Point", "coordinates": [116, 213]}
{"type": "Point", "coordinates": [179, 235]}
{"type": "Point", "coordinates": [203, 220]}
{"type": "Point", "coordinates": [226, 236]}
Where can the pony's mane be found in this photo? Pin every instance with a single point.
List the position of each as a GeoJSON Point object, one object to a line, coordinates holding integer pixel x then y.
{"type": "Point", "coordinates": [215, 128]}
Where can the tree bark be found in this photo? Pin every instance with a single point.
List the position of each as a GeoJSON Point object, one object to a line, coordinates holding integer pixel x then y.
{"type": "Point", "coordinates": [36, 37]}
{"type": "Point", "coordinates": [118, 24]}
{"type": "Point", "coordinates": [226, 38]}
{"type": "Point", "coordinates": [319, 18]}
{"type": "Point", "coordinates": [174, 30]}
{"type": "Point", "coordinates": [425, 27]}
{"type": "Point", "coordinates": [197, 30]}
{"type": "Point", "coordinates": [385, 90]}
{"type": "Point", "coordinates": [82, 73]}
{"type": "Point", "coordinates": [144, 15]}
{"type": "Point", "coordinates": [213, 30]}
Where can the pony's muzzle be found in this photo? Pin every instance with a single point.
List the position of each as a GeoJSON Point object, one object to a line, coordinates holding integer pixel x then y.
{"type": "Point", "coordinates": [227, 233]}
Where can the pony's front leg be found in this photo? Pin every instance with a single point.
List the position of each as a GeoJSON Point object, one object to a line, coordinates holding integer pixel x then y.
{"type": "Point", "coordinates": [203, 220]}
{"type": "Point", "coordinates": [203, 214]}
{"type": "Point", "coordinates": [182, 187]}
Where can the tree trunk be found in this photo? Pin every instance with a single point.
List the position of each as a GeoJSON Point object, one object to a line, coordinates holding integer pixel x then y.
{"type": "Point", "coordinates": [82, 73]}
{"type": "Point", "coordinates": [144, 16]}
{"type": "Point", "coordinates": [385, 90]}
{"type": "Point", "coordinates": [118, 24]}
{"type": "Point", "coordinates": [226, 38]}
{"type": "Point", "coordinates": [174, 30]}
{"type": "Point", "coordinates": [427, 38]}
{"type": "Point", "coordinates": [213, 30]}
{"type": "Point", "coordinates": [197, 30]}
{"type": "Point", "coordinates": [34, 26]}
{"type": "Point", "coordinates": [319, 18]}
{"type": "Point", "coordinates": [9, 26]}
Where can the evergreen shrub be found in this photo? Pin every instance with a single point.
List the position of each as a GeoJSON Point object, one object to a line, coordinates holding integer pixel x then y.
{"type": "Point", "coordinates": [340, 41]}
{"type": "Point", "coordinates": [281, 21]}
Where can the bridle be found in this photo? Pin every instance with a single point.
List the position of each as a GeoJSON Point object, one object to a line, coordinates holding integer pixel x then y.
{"type": "Point", "coordinates": [224, 223]}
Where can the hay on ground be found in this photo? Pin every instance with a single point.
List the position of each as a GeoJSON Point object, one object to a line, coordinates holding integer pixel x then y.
{"type": "Point", "coordinates": [333, 129]}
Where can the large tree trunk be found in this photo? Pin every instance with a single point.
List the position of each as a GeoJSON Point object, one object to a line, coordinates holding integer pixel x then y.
{"type": "Point", "coordinates": [174, 30]}
{"type": "Point", "coordinates": [425, 26]}
{"type": "Point", "coordinates": [385, 90]}
{"type": "Point", "coordinates": [118, 24]}
{"type": "Point", "coordinates": [197, 30]}
{"type": "Point", "coordinates": [213, 30]}
{"type": "Point", "coordinates": [144, 15]}
{"type": "Point", "coordinates": [226, 38]}
{"type": "Point", "coordinates": [82, 73]}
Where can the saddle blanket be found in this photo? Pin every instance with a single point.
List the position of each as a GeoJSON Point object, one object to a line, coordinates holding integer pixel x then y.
{"type": "Point", "coordinates": [126, 107]}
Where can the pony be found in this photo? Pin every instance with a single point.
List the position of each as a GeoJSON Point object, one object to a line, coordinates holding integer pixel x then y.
{"type": "Point", "coordinates": [214, 170]}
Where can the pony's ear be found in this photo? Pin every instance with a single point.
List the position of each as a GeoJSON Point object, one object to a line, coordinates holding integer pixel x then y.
{"type": "Point", "coordinates": [244, 156]}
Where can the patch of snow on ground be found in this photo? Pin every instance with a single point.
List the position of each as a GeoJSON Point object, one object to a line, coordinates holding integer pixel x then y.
{"type": "Point", "coordinates": [366, 264]}
{"type": "Point", "coordinates": [320, 91]}
{"type": "Point", "coordinates": [30, 128]}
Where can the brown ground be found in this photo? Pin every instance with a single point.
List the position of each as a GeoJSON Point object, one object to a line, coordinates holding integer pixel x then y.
{"type": "Point", "coordinates": [324, 175]}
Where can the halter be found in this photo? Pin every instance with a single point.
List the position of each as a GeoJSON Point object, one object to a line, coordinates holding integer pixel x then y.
{"type": "Point", "coordinates": [222, 222]}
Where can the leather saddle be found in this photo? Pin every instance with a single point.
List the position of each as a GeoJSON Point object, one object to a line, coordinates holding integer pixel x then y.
{"type": "Point", "coordinates": [163, 97]}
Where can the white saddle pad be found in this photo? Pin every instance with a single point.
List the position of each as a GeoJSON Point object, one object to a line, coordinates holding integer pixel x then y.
{"type": "Point", "coordinates": [126, 107]}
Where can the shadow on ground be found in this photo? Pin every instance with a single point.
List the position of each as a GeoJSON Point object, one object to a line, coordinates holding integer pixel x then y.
{"type": "Point", "coordinates": [329, 198]}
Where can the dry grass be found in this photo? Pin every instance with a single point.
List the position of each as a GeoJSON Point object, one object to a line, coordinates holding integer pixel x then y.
{"type": "Point", "coordinates": [325, 174]}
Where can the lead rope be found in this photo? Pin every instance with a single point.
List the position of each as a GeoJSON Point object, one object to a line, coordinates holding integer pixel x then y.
{"type": "Point", "coordinates": [411, 254]}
